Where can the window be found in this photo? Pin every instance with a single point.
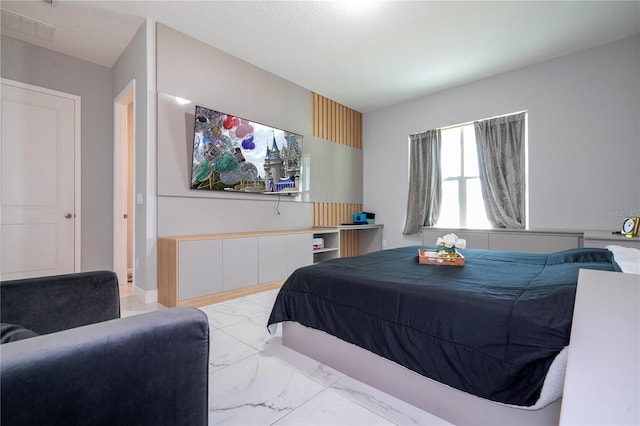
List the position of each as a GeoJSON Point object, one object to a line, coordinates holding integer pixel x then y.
{"type": "Point", "coordinates": [461, 205]}
{"type": "Point", "coordinates": [450, 169]}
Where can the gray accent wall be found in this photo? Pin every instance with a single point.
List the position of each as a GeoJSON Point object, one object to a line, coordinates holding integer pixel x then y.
{"type": "Point", "coordinates": [45, 68]}
{"type": "Point", "coordinates": [583, 140]}
{"type": "Point", "coordinates": [193, 70]}
{"type": "Point", "coordinates": [207, 76]}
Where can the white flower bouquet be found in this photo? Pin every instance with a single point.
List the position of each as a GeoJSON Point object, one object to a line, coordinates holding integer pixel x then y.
{"type": "Point", "coordinates": [449, 244]}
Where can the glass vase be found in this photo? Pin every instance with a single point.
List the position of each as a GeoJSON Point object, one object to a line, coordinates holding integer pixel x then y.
{"type": "Point", "coordinates": [448, 255]}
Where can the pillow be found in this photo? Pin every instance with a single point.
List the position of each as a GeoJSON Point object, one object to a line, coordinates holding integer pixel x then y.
{"type": "Point", "coordinates": [627, 258]}
{"type": "Point", "coordinates": [13, 333]}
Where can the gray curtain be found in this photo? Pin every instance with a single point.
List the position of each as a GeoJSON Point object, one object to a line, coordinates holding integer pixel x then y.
{"type": "Point", "coordinates": [425, 187]}
{"type": "Point", "coordinates": [500, 144]}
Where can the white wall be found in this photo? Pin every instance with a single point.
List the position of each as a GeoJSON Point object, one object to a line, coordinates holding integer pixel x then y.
{"type": "Point", "coordinates": [137, 63]}
{"type": "Point", "coordinates": [584, 138]}
{"type": "Point", "coordinates": [45, 68]}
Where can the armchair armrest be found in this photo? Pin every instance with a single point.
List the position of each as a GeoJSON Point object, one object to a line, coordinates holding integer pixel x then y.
{"type": "Point", "coordinates": [149, 369]}
{"type": "Point", "coordinates": [50, 304]}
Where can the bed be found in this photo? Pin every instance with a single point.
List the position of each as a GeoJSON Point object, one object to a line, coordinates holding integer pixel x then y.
{"type": "Point", "coordinates": [486, 334]}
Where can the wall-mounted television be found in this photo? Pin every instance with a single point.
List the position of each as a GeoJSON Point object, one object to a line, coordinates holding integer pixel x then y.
{"type": "Point", "coordinates": [234, 154]}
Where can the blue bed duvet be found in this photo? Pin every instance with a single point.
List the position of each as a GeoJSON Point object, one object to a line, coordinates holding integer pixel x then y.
{"type": "Point", "coordinates": [490, 328]}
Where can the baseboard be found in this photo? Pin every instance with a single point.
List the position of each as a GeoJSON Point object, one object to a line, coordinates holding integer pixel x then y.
{"type": "Point", "coordinates": [145, 296]}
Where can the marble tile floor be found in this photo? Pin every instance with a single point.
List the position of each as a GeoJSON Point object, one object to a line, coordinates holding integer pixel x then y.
{"type": "Point", "coordinates": [255, 380]}
{"type": "Point", "coordinates": [130, 306]}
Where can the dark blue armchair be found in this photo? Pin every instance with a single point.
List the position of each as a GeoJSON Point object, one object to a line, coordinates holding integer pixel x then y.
{"type": "Point", "coordinates": [87, 366]}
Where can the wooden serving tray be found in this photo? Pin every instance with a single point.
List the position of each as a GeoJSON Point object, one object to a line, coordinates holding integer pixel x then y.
{"type": "Point", "coordinates": [423, 259]}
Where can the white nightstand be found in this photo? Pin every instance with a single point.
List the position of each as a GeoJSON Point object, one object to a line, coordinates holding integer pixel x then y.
{"type": "Point", "coordinates": [602, 239]}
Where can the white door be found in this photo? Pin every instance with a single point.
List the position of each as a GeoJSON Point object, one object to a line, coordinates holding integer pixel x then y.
{"type": "Point", "coordinates": [38, 211]}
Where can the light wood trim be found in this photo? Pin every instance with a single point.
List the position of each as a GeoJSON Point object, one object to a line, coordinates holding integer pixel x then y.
{"type": "Point", "coordinates": [236, 235]}
{"type": "Point", "coordinates": [210, 299]}
{"type": "Point", "coordinates": [335, 122]}
{"type": "Point", "coordinates": [168, 271]}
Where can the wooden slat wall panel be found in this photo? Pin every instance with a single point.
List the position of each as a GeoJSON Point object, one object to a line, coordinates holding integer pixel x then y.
{"type": "Point", "coordinates": [335, 122]}
{"type": "Point", "coordinates": [334, 214]}
{"type": "Point", "coordinates": [349, 243]}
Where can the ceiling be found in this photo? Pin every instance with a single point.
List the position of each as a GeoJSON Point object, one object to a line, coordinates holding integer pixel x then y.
{"type": "Point", "coordinates": [364, 54]}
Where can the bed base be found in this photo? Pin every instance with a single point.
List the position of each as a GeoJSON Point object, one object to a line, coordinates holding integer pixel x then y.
{"type": "Point", "coordinates": [449, 404]}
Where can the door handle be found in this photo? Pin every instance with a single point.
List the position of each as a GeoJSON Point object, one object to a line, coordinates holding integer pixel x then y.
{"type": "Point", "coordinates": [68, 216]}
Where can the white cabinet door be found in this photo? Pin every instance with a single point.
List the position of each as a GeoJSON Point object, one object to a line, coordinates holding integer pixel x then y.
{"type": "Point", "coordinates": [200, 268]}
{"type": "Point", "coordinates": [299, 251]}
{"type": "Point", "coordinates": [532, 243]}
{"type": "Point", "coordinates": [239, 263]}
{"type": "Point", "coordinates": [601, 239]}
{"type": "Point", "coordinates": [272, 258]}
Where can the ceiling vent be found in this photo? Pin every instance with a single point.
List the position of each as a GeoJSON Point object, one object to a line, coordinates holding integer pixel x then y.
{"type": "Point", "coordinates": [27, 26]}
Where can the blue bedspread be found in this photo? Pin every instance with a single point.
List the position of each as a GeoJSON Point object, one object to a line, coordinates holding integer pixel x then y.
{"type": "Point", "coordinates": [490, 328]}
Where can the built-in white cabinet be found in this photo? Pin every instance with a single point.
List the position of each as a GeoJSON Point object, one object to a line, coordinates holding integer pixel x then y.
{"type": "Point", "coordinates": [299, 251]}
{"type": "Point", "coordinates": [200, 265]}
{"type": "Point", "coordinates": [534, 242]}
{"type": "Point", "coordinates": [272, 258]}
{"type": "Point", "coordinates": [239, 263]}
{"type": "Point", "coordinates": [530, 241]}
{"type": "Point", "coordinates": [525, 240]}
{"type": "Point", "coordinates": [605, 238]}
{"type": "Point", "coordinates": [476, 239]}
{"type": "Point", "coordinates": [331, 246]}
{"type": "Point", "coordinates": [280, 255]}
{"type": "Point", "coordinates": [201, 269]}
{"type": "Point", "coordinates": [192, 269]}
{"type": "Point", "coordinates": [347, 241]}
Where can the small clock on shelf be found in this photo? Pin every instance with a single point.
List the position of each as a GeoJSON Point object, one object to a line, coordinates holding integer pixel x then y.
{"type": "Point", "coordinates": [630, 226]}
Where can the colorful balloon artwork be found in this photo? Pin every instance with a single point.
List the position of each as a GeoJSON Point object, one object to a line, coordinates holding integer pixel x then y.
{"type": "Point", "coordinates": [243, 130]}
{"type": "Point", "coordinates": [226, 163]}
{"type": "Point", "coordinates": [202, 171]}
{"type": "Point", "coordinates": [248, 143]}
{"type": "Point", "coordinates": [234, 154]}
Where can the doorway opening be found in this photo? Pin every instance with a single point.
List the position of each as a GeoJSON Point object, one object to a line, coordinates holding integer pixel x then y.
{"type": "Point", "coordinates": [123, 189]}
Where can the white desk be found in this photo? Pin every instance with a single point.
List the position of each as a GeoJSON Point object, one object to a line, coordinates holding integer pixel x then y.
{"type": "Point", "coordinates": [369, 236]}
{"type": "Point", "coordinates": [602, 384]}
